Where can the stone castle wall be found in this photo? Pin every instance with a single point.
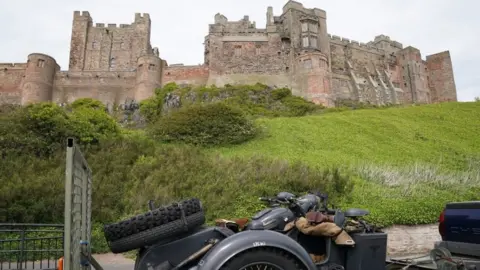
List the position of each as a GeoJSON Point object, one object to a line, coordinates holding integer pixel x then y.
{"type": "Point", "coordinates": [115, 63]}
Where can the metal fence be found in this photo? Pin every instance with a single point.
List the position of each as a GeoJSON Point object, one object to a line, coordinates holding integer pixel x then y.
{"type": "Point", "coordinates": [30, 246]}
{"type": "Point", "coordinates": [78, 209]}
{"type": "Point", "coordinates": [39, 246]}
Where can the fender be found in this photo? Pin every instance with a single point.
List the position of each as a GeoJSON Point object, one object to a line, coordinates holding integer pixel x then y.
{"type": "Point", "coordinates": [233, 245]}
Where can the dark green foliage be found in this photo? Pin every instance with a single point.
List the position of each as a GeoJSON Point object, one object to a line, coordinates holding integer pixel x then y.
{"type": "Point", "coordinates": [36, 129]}
{"type": "Point", "coordinates": [210, 124]}
{"type": "Point", "coordinates": [130, 170]}
{"type": "Point", "coordinates": [87, 103]}
{"type": "Point", "coordinates": [255, 100]}
{"type": "Point", "coordinates": [41, 129]}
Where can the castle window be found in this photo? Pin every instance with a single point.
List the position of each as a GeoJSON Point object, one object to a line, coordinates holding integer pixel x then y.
{"type": "Point", "coordinates": [313, 42]}
{"type": "Point", "coordinates": [140, 66]}
{"type": "Point", "coordinates": [238, 50]}
{"type": "Point", "coordinates": [313, 27]}
{"type": "Point", "coordinates": [305, 43]}
{"type": "Point", "coordinates": [151, 67]}
{"type": "Point", "coordinates": [40, 63]}
{"type": "Point", "coordinates": [258, 49]}
{"type": "Point", "coordinates": [94, 45]}
{"type": "Point", "coordinates": [304, 26]}
{"type": "Point", "coordinates": [112, 62]}
{"type": "Point", "coordinates": [122, 45]}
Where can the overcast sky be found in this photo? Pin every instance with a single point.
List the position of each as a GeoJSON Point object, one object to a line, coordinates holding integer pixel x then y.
{"type": "Point", "coordinates": [179, 26]}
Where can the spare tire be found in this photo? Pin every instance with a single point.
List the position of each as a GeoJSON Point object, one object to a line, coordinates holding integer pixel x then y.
{"type": "Point", "coordinates": [153, 226]}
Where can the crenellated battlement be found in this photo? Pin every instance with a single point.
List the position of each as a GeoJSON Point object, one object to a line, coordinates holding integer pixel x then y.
{"type": "Point", "coordinates": [4, 66]}
{"type": "Point", "coordinates": [81, 14]}
{"type": "Point", "coordinates": [353, 43]}
{"type": "Point", "coordinates": [386, 39]}
{"type": "Point", "coordinates": [142, 17]}
{"type": "Point", "coordinates": [300, 7]}
{"type": "Point", "coordinates": [112, 25]}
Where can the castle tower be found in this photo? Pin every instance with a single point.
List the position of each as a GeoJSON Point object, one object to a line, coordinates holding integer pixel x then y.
{"type": "Point", "coordinates": [311, 79]}
{"type": "Point", "coordinates": [78, 43]}
{"type": "Point", "coordinates": [37, 85]}
{"type": "Point", "coordinates": [149, 76]}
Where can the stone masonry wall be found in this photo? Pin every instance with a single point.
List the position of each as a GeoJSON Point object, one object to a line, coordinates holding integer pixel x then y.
{"type": "Point", "coordinates": [441, 80]}
{"type": "Point", "coordinates": [196, 75]}
{"type": "Point", "coordinates": [11, 76]}
{"type": "Point", "coordinates": [108, 87]}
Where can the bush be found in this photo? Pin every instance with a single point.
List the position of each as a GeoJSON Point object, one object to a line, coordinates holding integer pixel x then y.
{"type": "Point", "coordinates": [37, 129]}
{"type": "Point", "coordinates": [89, 103]}
{"type": "Point", "coordinates": [42, 128]}
{"type": "Point", "coordinates": [254, 100]}
{"type": "Point", "coordinates": [91, 125]}
{"type": "Point", "coordinates": [211, 124]}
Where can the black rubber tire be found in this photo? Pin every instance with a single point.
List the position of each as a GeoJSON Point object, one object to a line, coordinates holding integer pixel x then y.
{"type": "Point", "coordinates": [151, 219]}
{"type": "Point", "coordinates": [152, 236]}
{"type": "Point", "coordinates": [149, 228]}
{"type": "Point", "coordinates": [275, 256]}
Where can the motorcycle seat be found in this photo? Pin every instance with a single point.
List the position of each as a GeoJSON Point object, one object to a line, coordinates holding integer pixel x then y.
{"type": "Point", "coordinates": [356, 212]}
{"type": "Point", "coordinates": [235, 225]}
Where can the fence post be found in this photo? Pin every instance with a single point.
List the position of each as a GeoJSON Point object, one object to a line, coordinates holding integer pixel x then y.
{"type": "Point", "coordinates": [22, 247]}
{"type": "Point", "coordinates": [68, 205]}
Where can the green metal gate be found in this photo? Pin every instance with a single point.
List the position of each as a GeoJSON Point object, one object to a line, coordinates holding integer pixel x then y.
{"type": "Point", "coordinates": [39, 246]}
{"type": "Point", "coordinates": [78, 209]}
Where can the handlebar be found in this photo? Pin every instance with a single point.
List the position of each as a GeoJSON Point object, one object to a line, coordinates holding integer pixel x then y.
{"type": "Point", "coordinates": [276, 200]}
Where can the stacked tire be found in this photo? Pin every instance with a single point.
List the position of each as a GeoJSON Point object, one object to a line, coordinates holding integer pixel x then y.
{"type": "Point", "coordinates": [154, 226]}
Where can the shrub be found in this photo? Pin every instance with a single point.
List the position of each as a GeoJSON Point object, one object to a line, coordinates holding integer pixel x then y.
{"type": "Point", "coordinates": [298, 106]}
{"type": "Point", "coordinates": [279, 94]}
{"type": "Point", "coordinates": [151, 109]}
{"type": "Point", "coordinates": [42, 128]}
{"type": "Point", "coordinates": [87, 103]}
{"type": "Point", "coordinates": [255, 100]}
{"type": "Point", "coordinates": [211, 124]}
{"type": "Point", "coordinates": [36, 129]}
{"type": "Point", "coordinates": [91, 125]}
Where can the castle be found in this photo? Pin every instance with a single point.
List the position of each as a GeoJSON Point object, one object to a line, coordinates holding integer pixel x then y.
{"type": "Point", "coordinates": [117, 63]}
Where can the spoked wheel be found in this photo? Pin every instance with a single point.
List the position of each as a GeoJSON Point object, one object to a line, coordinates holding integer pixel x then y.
{"type": "Point", "coordinates": [262, 259]}
{"type": "Point", "coordinates": [262, 266]}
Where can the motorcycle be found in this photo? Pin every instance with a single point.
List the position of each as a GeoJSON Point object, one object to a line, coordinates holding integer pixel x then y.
{"type": "Point", "coordinates": [283, 236]}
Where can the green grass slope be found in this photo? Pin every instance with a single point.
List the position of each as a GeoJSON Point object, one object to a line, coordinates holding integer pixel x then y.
{"type": "Point", "coordinates": [445, 134]}
{"type": "Point", "coordinates": [409, 161]}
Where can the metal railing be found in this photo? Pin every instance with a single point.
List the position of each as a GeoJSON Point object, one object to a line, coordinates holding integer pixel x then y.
{"type": "Point", "coordinates": [39, 246]}
{"type": "Point", "coordinates": [78, 209]}
{"type": "Point", "coordinates": [30, 246]}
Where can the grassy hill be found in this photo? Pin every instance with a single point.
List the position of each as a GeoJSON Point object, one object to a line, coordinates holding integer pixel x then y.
{"type": "Point", "coordinates": [403, 164]}
{"type": "Point", "coordinates": [409, 161]}
{"type": "Point", "coordinates": [441, 134]}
